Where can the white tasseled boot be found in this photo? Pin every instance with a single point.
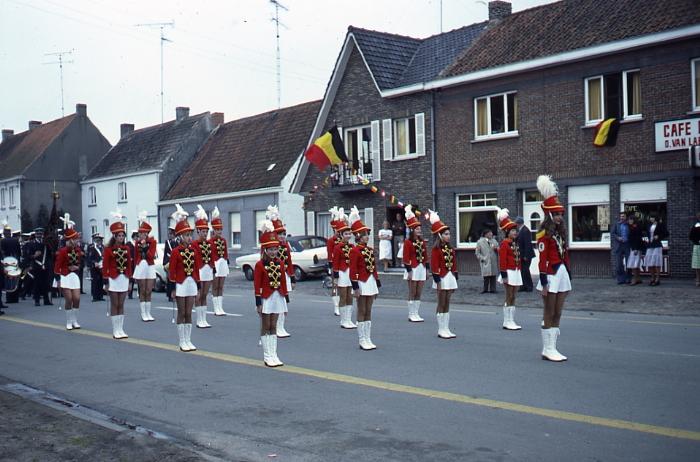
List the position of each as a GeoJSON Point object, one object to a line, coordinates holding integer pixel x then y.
{"type": "Point", "coordinates": [149, 317]}
{"type": "Point", "coordinates": [115, 327]}
{"type": "Point", "coordinates": [368, 335]}
{"type": "Point", "coordinates": [361, 335]}
{"type": "Point", "coordinates": [410, 310]}
{"type": "Point", "coordinates": [416, 315]}
{"type": "Point", "coordinates": [346, 317]}
{"type": "Point", "coordinates": [220, 305]}
{"type": "Point", "coordinates": [556, 335]}
{"type": "Point", "coordinates": [121, 327]}
{"type": "Point", "coordinates": [144, 318]}
{"type": "Point", "coordinates": [273, 352]}
{"type": "Point", "coordinates": [188, 337]}
{"type": "Point", "coordinates": [281, 332]}
{"type": "Point", "coordinates": [75, 318]}
{"type": "Point", "coordinates": [198, 322]}
{"type": "Point", "coordinates": [511, 318]}
{"type": "Point", "coordinates": [446, 320]}
{"type": "Point", "coordinates": [181, 337]}
{"type": "Point", "coordinates": [267, 359]}
{"type": "Point", "coordinates": [506, 314]}
{"type": "Point", "coordinates": [336, 304]}
{"type": "Point", "coordinates": [441, 326]}
{"type": "Point", "coordinates": [205, 324]}
{"type": "Point", "coordinates": [549, 351]}
{"type": "Point", "coordinates": [69, 319]}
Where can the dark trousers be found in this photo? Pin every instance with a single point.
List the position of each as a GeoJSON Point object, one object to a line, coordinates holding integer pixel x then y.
{"type": "Point", "coordinates": [170, 286]}
{"type": "Point", "coordinates": [525, 273]}
{"type": "Point", "coordinates": [490, 284]}
{"type": "Point", "coordinates": [621, 255]}
{"type": "Point", "coordinates": [27, 286]}
{"type": "Point", "coordinates": [41, 285]}
{"type": "Point", "coordinates": [96, 284]}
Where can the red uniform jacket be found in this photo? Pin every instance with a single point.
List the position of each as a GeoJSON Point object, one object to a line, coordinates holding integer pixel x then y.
{"type": "Point", "coordinates": [443, 259]}
{"type": "Point", "coordinates": [117, 260]}
{"type": "Point", "coordinates": [66, 257]}
{"type": "Point", "coordinates": [415, 253]}
{"type": "Point", "coordinates": [150, 253]}
{"type": "Point", "coordinates": [362, 264]}
{"type": "Point", "coordinates": [269, 277]}
{"type": "Point", "coordinates": [219, 247]}
{"type": "Point", "coordinates": [331, 242]}
{"type": "Point", "coordinates": [206, 253]}
{"type": "Point", "coordinates": [285, 254]}
{"type": "Point", "coordinates": [553, 252]}
{"type": "Point", "coordinates": [184, 261]}
{"type": "Point", "coordinates": [508, 257]}
{"type": "Point", "coordinates": [341, 257]}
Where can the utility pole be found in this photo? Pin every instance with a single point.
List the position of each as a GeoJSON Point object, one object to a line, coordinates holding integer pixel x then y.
{"type": "Point", "coordinates": [60, 63]}
{"type": "Point", "coordinates": [163, 39]}
{"type": "Point", "coordinates": [276, 20]}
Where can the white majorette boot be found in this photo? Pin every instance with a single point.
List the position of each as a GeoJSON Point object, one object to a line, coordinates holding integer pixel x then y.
{"type": "Point", "coordinates": [416, 316]}
{"type": "Point", "coordinates": [549, 351]}
{"type": "Point", "coordinates": [219, 306]}
{"type": "Point", "coordinates": [511, 318]}
{"type": "Point", "coordinates": [115, 327]}
{"type": "Point", "coordinates": [144, 318]}
{"type": "Point", "coordinates": [336, 304]}
{"type": "Point", "coordinates": [181, 337]}
{"type": "Point", "coordinates": [281, 332]}
{"type": "Point", "coordinates": [361, 335]}
{"type": "Point", "coordinates": [446, 321]}
{"type": "Point", "coordinates": [149, 317]}
{"type": "Point", "coordinates": [368, 335]}
{"type": "Point", "coordinates": [506, 312]}
{"type": "Point", "coordinates": [69, 319]}
{"type": "Point", "coordinates": [205, 324]}
{"type": "Point", "coordinates": [75, 318]}
{"type": "Point", "coordinates": [200, 323]}
{"type": "Point", "coordinates": [188, 337]}
{"type": "Point", "coordinates": [273, 352]}
{"type": "Point", "coordinates": [346, 317]}
{"type": "Point", "coordinates": [442, 332]}
{"type": "Point", "coordinates": [556, 335]}
{"type": "Point", "coordinates": [121, 327]}
{"type": "Point", "coordinates": [267, 359]}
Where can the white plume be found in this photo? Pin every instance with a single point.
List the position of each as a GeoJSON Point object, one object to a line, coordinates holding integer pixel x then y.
{"type": "Point", "coordinates": [117, 215]}
{"type": "Point", "coordinates": [409, 212]}
{"type": "Point", "coordinates": [341, 214]}
{"type": "Point", "coordinates": [200, 213]}
{"type": "Point", "coordinates": [273, 213]}
{"type": "Point", "coordinates": [546, 186]}
{"type": "Point", "coordinates": [334, 212]}
{"type": "Point", "coordinates": [143, 215]}
{"type": "Point", "coordinates": [354, 214]}
{"type": "Point", "coordinates": [434, 217]}
{"type": "Point", "coordinates": [67, 223]}
{"type": "Point", "coordinates": [266, 226]}
{"type": "Point", "coordinates": [215, 213]}
{"type": "Point", "coordinates": [502, 214]}
{"type": "Point", "coordinates": [5, 222]}
{"type": "Point", "coordinates": [179, 214]}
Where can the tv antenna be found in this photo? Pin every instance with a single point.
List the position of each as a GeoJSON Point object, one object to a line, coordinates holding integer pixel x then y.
{"type": "Point", "coordinates": [277, 22]}
{"type": "Point", "coordinates": [60, 63]}
{"type": "Point", "coordinates": [163, 39]}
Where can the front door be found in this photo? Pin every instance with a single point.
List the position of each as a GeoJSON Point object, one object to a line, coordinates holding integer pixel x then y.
{"type": "Point", "coordinates": [533, 215]}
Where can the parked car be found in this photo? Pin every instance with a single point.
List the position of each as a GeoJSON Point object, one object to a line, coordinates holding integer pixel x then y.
{"type": "Point", "coordinates": [309, 256]}
{"type": "Point", "coordinates": [161, 274]}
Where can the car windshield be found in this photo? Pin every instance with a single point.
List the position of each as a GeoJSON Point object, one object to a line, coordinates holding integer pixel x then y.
{"type": "Point", "coordinates": [305, 243]}
{"type": "Point", "coordinates": [296, 246]}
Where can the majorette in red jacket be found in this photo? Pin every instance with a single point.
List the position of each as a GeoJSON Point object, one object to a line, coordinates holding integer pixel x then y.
{"type": "Point", "coordinates": [443, 259]}
{"type": "Point", "coordinates": [341, 257]}
{"type": "Point", "coordinates": [553, 252]}
{"type": "Point", "coordinates": [269, 277]}
{"type": "Point", "coordinates": [184, 261]}
{"type": "Point", "coordinates": [362, 264]}
{"type": "Point", "coordinates": [66, 257]}
{"type": "Point", "coordinates": [508, 256]}
{"type": "Point", "coordinates": [206, 253]}
{"type": "Point", "coordinates": [117, 260]}
{"type": "Point", "coordinates": [219, 248]}
{"type": "Point", "coordinates": [415, 253]}
{"type": "Point", "coordinates": [331, 242]}
{"type": "Point", "coordinates": [285, 254]}
{"type": "Point", "coordinates": [150, 253]}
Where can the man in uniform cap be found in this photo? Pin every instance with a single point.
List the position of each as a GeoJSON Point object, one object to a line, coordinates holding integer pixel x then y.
{"type": "Point", "coordinates": [37, 257]}
{"type": "Point", "coordinates": [527, 253]}
{"type": "Point", "coordinates": [170, 244]}
{"type": "Point", "coordinates": [94, 262]}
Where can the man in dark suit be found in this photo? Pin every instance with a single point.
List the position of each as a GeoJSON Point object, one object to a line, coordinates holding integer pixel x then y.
{"type": "Point", "coordinates": [620, 246]}
{"type": "Point", "coordinates": [527, 253]}
{"type": "Point", "coordinates": [38, 257]}
{"type": "Point", "coordinates": [9, 247]}
{"type": "Point", "coordinates": [94, 262]}
{"type": "Point", "coordinates": [170, 244]}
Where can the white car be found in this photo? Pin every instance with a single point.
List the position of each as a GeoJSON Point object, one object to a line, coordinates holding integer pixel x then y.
{"type": "Point", "coordinates": [309, 256]}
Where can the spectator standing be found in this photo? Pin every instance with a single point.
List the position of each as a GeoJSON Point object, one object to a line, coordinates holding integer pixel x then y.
{"type": "Point", "coordinates": [636, 249]}
{"type": "Point", "coordinates": [527, 253]}
{"type": "Point", "coordinates": [653, 260]}
{"type": "Point", "coordinates": [619, 242]}
{"type": "Point", "coordinates": [486, 253]}
{"type": "Point", "coordinates": [399, 231]}
{"type": "Point", "coordinates": [385, 237]}
{"type": "Point", "coordinates": [694, 237]}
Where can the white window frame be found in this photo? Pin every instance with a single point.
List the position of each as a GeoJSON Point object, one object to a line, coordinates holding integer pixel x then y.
{"type": "Point", "coordinates": [625, 116]}
{"type": "Point", "coordinates": [11, 197]}
{"type": "Point", "coordinates": [374, 152]}
{"type": "Point", "coordinates": [489, 136]}
{"type": "Point", "coordinates": [695, 90]}
{"type": "Point", "coordinates": [458, 209]}
{"type": "Point", "coordinates": [317, 222]}
{"type": "Point", "coordinates": [3, 195]}
{"type": "Point", "coordinates": [569, 219]}
{"type": "Point", "coordinates": [392, 144]}
{"type": "Point", "coordinates": [256, 224]}
{"type": "Point", "coordinates": [122, 195]}
{"type": "Point", "coordinates": [235, 230]}
{"type": "Point", "coordinates": [92, 196]}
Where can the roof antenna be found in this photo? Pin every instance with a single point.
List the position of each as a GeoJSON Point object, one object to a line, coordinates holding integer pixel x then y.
{"type": "Point", "coordinates": [277, 22]}
{"type": "Point", "coordinates": [161, 26]}
{"type": "Point", "coordinates": [60, 63]}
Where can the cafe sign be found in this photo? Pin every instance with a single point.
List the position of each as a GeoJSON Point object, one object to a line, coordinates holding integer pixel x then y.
{"type": "Point", "coordinates": [675, 135]}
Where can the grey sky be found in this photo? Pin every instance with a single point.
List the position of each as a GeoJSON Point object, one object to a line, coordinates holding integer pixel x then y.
{"type": "Point", "coordinates": [222, 55]}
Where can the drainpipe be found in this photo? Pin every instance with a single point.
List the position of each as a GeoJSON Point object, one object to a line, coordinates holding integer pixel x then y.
{"type": "Point", "coordinates": [432, 148]}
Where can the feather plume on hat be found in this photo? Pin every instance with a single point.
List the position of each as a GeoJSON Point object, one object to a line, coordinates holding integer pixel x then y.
{"type": "Point", "coordinates": [143, 215]}
{"type": "Point", "coordinates": [409, 212]}
{"type": "Point", "coordinates": [215, 213]}
{"type": "Point", "coordinates": [272, 213]}
{"type": "Point", "coordinates": [117, 214]}
{"type": "Point", "coordinates": [179, 214]}
{"type": "Point", "coordinates": [200, 213]}
{"type": "Point", "coordinates": [502, 214]}
{"type": "Point", "coordinates": [354, 214]}
{"type": "Point", "coordinates": [67, 223]}
{"type": "Point", "coordinates": [433, 216]}
{"type": "Point", "coordinates": [334, 212]}
{"type": "Point", "coordinates": [266, 226]}
{"type": "Point", "coordinates": [546, 186]}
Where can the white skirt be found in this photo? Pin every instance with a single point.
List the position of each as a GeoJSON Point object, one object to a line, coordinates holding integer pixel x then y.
{"type": "Point", "coordinates": [634, 261]}
{"type": "Point", "coordinates": [369, 287]}
{"type": "Point", "coordinates": [188, 288]}
{"type": "Point", "coordinates": [418, 274]}
{"type": "Point", "coordinates": [275, 303]}
{"type": "Point", "coordinates": [514, 278]}
{"type": "Point", "coordinates": [559, 282]}
{"type": "Point", "coordinates": [289, 282]}
{"type": "Point", "coordinates": [384, 250]}
{"type": "Point", "coordinates": [144, 271]}
{"type": "Point", "coordinates": [344, 278]}
{"type": "Point", "coordinates": [70, 282]}
{"type": "Point", "coordinates": [206, 273]}
{"type": "Point", "coordinates": [654, 257]}
{"type": "Point", "coordinates": [119, 284]}
{"type": "Point", "coordinates": [221, 266]}
{"type": "Point", "coordinates": [447, 283]}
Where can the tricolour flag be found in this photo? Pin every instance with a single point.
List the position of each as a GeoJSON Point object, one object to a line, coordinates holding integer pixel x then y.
{"type": "Point", "coordinates": [606, 133]}
{"type": "Point", "coordinates": [327, 150]}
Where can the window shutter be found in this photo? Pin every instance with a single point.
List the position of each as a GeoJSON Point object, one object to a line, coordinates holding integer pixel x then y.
{"type": "Point", "coordinates": [369, 222]}
{"type": "Point", "coordinates": [387, 139]}
{"type": "Point", "coordinates": [310, 223]}
{"type": "Point", "coordinates": [420, 134]}
{"type": "Point", "coordinates": [374, 151]}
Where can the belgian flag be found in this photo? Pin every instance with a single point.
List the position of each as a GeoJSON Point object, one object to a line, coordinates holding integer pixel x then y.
{"type": "Point", "coordinates": [327, 150]}
{"type": "Point", "coordinates": [606, 133]}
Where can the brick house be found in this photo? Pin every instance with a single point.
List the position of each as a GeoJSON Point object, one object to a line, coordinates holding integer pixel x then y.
{"type": "Point", "coordinates": [388, 138]}
{"type": "Point", "coordinates": [524, 99]}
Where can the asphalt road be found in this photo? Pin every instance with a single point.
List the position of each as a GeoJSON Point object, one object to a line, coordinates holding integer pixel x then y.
{"type": "Point", "coordinates": [628, 392]}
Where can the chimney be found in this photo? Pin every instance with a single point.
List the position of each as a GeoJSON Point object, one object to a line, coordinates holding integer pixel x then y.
{"type": "Point", "coordinates": [125, 129]}
{"type": "Point", "coordinates": [6, 133]}
{"type": "Point", "coordinates": [499, 10]}
{"type": "Point", "coordinates": [182, 112]}
{"type": "Point", "coordinates": [217, 118]}
{"type": "Point", "coordinates": [81, 109]}
{"type": "Point", "coordinates": [33, 124]}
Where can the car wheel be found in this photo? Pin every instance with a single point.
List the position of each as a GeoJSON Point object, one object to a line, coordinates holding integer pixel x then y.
{"type": "Point", "coordinates": [159, 286]}
{"type": "Point", "coordinates": [299, 275]}
{"type": "Point", "coordinates": [248, 272]}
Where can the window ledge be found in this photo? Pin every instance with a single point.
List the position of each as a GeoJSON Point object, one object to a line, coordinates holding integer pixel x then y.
{"type": "Point", "coordinates": [580, 246]}
{"type": "Point", "coordinates": [466, 246]}
{"type": "Point", "coordinates": [13, 206]}
{"type": "Point", "coordinates": [628, 120]}
{"type": "Point", "coordinates": [407, 157]}
{"type": "Point", "coordinates": [496, 137]}
{"type": "Point", "coordinates": [92, 205]}
{"type": "Point", "coordinates": [693, 112]}
{"type": "Point", "coordinates": [122, 202]}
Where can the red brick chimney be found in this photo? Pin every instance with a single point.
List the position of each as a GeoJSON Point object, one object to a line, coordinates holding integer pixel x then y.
{"type": "Point", "coordinates": [499, 10]}
{"type": "Point", "coordinates": [33, 124]}
{"type": "Point", "coordinates": [125, 129]}
{"type": "Point", "coordinates": [217, 118]}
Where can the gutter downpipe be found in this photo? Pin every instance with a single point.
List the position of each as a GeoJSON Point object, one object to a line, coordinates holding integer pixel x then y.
{"type": "Point", "coordinates": [432, 148]}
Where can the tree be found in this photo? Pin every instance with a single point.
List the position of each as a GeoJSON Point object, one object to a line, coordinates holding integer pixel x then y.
{"type": "Point", "coordinates": [27, 224]}
{"type": "Point", "coordinates": [42, 217]}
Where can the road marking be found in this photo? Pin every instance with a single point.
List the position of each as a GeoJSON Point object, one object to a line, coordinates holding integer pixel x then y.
{"type": "Point", "coordinates": [170, 308]}
{"type": "Point", "coordinates": [690, 324]}
{"type": "Point", "coordinates": [395, 387]}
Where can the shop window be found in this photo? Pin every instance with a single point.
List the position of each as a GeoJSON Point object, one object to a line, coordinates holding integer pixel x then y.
{"type": "Point", "coordinates": [617, 95]}
{"type": "Point", "coordinates": [695, 82]}
{"type": "Point", "coordinates": [323, 225]}
{"type": "Point", "coordinates": [496, 115]}
{"type": "Point", "coordinates": [643, 210]}
{"type": "Point", "coordinates": [589, 216]}
{"type": "Point", "coordinates": [235, 224]}
{"type": "Point", "coordinates": [475, 212]}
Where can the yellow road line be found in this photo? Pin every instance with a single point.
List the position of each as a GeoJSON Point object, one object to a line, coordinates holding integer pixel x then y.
{"type": "Point", "coordinates": [407, 389]}
{"type": "Point", "coordinates": [690, 324]}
